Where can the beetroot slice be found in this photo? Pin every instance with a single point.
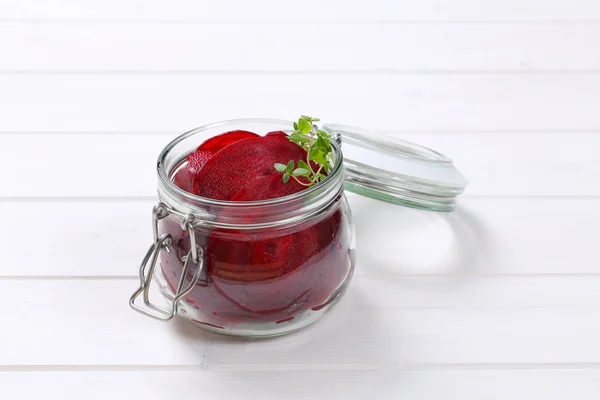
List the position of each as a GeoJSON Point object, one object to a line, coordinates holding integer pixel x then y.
{"type": "Point", "coordinates": [230, 170]}
{"type": "Point", "coordinates": [284, 135]}
{"type": "Point", "coordinates": [278, 134]}
{"type": "Point", "coordinates": [270, 277]}
{"type": "Point", "coordinates": [245, 260]}
{"type": "Point", "coordinates": [268, 266]}
{"type": "Point", "coordinates": [267, 187]}
{"type": "Point", "coordinates": [223, 140]}
{"type": "Point", "coordinates": [197, 159]}
{"type": "Point", "coordinates": [184, 178]}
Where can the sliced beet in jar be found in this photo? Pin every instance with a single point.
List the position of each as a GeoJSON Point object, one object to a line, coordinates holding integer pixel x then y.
{"type": "Point", "coordinates": [253, 235]}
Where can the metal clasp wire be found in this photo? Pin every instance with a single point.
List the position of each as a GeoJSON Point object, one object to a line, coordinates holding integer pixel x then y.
{"type": "Point", "coordinates": [148, 265]}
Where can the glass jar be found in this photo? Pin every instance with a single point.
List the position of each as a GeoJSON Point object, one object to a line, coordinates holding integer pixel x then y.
{"type": "Point", "coordinates": [266, 268]}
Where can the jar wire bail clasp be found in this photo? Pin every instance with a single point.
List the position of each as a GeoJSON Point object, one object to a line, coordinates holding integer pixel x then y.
{"type": "Point", "coordinates": [148, 266]}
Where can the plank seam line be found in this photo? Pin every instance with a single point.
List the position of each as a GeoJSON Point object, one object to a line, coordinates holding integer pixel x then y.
{"type": "Point", "coordinates": [306, 367]}
{"type": "Point", "coordinates": [382, 72]}
{"type": "Point", "coordinates": [140, 21]}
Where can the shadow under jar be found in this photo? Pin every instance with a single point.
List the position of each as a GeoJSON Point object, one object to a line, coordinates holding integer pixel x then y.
{"type": "Point", "coordinates": [266, 268]}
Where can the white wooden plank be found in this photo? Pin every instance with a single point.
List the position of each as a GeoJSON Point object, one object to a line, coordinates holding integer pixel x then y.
{"type": "Point", "coordinates": [273, 385]}
{"type": "Point", "coordinates": [481, 237]}
{"type": "Point", "coordinates": [381, 337]}
{"type": "Point", "coordinates": [58, 165]}
{"type": "Point", "coordinates": [311, 10]}
{"type": "Point", "coordinates": [76, 238]}
{"type": "Point", "coordinates": [484, 237]}
{"type": "Point", "coordinates": [501, 164]}
{"type": "Point", "coordinates": [285, 47]}
{"type": "Point", "coordinates": [88, 323]}
{"type": "Point", "coordinates": [175, 103]}
{"type": "Point", "coordinates": [453, 293]}
{"type": "Point", "coordinates": [477, 294]}
{"type": "Point", "coordinates": [79, 322]}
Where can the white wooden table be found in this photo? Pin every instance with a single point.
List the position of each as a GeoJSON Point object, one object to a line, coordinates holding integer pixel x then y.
{"type": "Point", "coordinates": [499, 300]}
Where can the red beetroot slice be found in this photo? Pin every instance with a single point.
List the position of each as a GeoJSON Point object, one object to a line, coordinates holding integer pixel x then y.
{"type": "Point", "coordinates": [259, 259]}
{"type": "Point", "coordinates": [274, 275]}
{"type": "Point", "coordinates": [230, 170]}
{"type": "Point", "coordinates": [267, 187]}
{"type": "Point", "coordinates": [184, 178]}
{"type": "Point", "coordinates": [282, 134]}
{"type": "Point", "coordinates": [197, 159]}
{"type": "Point", "coordinates": [223, 140]}
{"type": "Point", "coordinates": [267, 266]}
{"type": "Point", "coordinates": [278, 134]}
{"type": "Point", "coordinates": [269, 253]}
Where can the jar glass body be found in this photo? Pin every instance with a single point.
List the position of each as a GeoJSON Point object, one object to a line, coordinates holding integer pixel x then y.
{"type": "Point", "coordinates": [267, 267]}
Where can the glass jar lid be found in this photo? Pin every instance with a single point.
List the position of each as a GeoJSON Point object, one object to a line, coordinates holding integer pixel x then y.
{"type": "Point", "coordinates": [397, 171]}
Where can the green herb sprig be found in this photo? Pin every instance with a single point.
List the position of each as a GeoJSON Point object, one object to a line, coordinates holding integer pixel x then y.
{"type": "Point", "coordinates": [318, 150]}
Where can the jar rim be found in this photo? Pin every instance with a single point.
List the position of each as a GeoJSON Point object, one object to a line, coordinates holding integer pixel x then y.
{"type": "Point", "coordinates": [166, 182]}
